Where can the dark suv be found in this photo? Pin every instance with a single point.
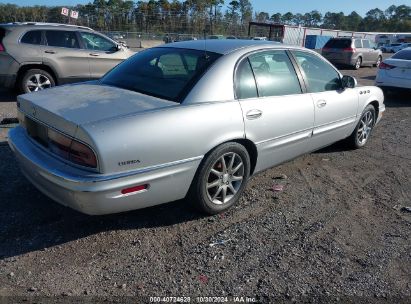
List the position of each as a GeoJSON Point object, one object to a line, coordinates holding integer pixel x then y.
{"type": "Point", "coordinates": [35, 56]}
{"type": "Point", "coordinates": [354, 52]}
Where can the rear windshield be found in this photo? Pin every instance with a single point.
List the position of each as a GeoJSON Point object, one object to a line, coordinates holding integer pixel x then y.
{"type": "Point", "coordinates": [338, 43]}
{"type": "Point", "coordinates": [166, 73]}
{"type": "Point", "coordinates": [404, 54]}
{"type": "Point", "coordinates": [2, 33]}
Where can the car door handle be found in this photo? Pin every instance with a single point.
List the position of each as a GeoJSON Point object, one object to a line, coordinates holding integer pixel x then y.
{"type": "Point", "coordinates": [94, 54]}
{"type": "Point", "coordinates": [254, 114]}
{"type": "Point", "coordinates": [49, 52]}
{"type": "Point", "coordinates": [321, 103]}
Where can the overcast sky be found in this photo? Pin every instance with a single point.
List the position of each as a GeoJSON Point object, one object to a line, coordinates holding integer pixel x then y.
{"type": "Point", "coordinates": [269, 6]}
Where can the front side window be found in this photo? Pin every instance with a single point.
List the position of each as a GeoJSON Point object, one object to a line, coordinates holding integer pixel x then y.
{"type": "Point", "coordinates": [319, 74]}
{"type": "Point", "coordinates": [32, 37]}
{"type": "Point", "coordinates": [274, 73]}
{"type": "Point", "coordinates": [96, 42]}
{"type": "Point", "coordinates": [161, 72]}
{"type": "Point", "coordinates": [66, 39]}
{"type": "Point", "coordinates": [245, 85]}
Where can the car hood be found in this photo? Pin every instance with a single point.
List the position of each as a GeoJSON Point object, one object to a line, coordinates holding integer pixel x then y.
{"type": "Point", "coordinates": [85, 103]}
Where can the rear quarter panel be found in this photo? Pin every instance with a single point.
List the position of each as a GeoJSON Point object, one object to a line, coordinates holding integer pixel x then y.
{"type": "Point", "coordinates": [163, 136]}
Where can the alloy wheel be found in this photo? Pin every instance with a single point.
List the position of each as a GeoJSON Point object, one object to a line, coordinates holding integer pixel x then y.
{"type": "Point", "coordinates": [225, 178]}
{"type": "Point", "coordinates": [366, 124]}
{"type": "Point", "coordinates": [38, 82]}
{"type": "Point", "coordinates": [358, 63]}
{"type": "Point", "coordinates": [377, 64]}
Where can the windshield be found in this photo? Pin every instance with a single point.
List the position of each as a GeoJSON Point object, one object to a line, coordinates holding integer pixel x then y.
{"type": "Point", "coordinates": [166, 73]}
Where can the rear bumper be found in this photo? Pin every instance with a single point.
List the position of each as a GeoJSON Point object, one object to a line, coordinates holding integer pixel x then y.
{"type": "Point", "coordinates": [96, 194]}
{"type": "Point", "coordinates": [382, 80]}
{"type": "Point", "coordinates": [7, 81]}
{"type": "Point", "coordinates": [8, 71]}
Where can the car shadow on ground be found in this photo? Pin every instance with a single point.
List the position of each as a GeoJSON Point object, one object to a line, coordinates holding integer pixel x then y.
{"type": "Point", "coordinates": [397, 98]}
{"type": "Point", "coordinates": [30, 221]}
{"type": "Point", "coordinates": [7, 96]}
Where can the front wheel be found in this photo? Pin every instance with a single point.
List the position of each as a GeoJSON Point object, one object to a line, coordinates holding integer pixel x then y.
{"type": "Point", "coordinates": [379, 59]}
{"type": "Point", "coordinates": [221, 178]}
{"type": "Point", "coordinates": [362, 131]}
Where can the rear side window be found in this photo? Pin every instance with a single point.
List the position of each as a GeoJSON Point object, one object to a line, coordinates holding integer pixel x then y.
{"type": "Point", "coordinates": [366, 44]}
{"type": "Point", "coordinates": [32, 37]}
{"type": "Point", "coordinates": [167, 73]}
{"type": "Point", "coordinates": [357, 43]}
{"type": "Point", "coordinates": [66, 39]}
{"type": "Point", "coordinates": [338, 43]}
{"type": "Point", "coordinates": [404, 54]}
{"type": "Point", "coordinates": [320, 75]}
{"type": "Point", "coordinates": [244, 81]}
{"type": "Point", "coordinates": [274, 73]}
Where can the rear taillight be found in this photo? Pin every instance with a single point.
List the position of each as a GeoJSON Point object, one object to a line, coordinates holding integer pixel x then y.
{"type": "Point", "coordinates": [385, 66]}
{"type": "Point", "coordinates": [2, 49]}
{"type": "Point", "coordinates": [71, 149]}
{"type": "Point", "coordinates": [349, 50]}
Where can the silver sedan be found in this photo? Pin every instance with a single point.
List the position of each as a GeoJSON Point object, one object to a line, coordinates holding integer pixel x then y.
{"type": "Point", "coordinates": [191, 119]}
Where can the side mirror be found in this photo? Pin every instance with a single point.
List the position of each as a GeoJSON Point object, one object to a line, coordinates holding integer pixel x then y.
{"type": "Point", "coordinates": [349, 82]}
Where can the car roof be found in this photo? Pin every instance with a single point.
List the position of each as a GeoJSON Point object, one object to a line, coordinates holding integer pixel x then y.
{"type": "Point", "coordinates": [44, 25]}
{"type": "Point", "coordinates": [223, 46]}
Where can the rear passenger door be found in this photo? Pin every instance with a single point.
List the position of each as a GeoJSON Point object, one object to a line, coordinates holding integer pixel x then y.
{"type": "Point", "coordinates": [335, 107]}
{"type": "Point", "coordinates": [63, 53]}
{"type": "Point", "coordinates": [278, 117]}
{"type": "Point", "coordinates": [368, 52]}
{"type": "Point", "coordinates": [32, 47]}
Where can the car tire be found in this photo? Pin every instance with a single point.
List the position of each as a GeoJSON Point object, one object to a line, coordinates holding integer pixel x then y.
{"type": "Point", "coordinates": [221, 178]}
{"type": "Point", "coordinates": [358, 63]}
{"type": "Point", "coordinates": [379, 60]}
{"type": "Point", "coordinates": [362, 131]}
{"type": "Point", "coordinates": [36, 80]}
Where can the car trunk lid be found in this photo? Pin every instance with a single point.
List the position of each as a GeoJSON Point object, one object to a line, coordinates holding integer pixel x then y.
{"type": "Point", "coordinates": [64, 108]}
{"type": "Point", "coordinates": [402, 68]}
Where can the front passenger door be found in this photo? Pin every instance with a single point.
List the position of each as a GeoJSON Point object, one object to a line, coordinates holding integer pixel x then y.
{"type": "Point", "coordinates": [278, 117]}
{"type": "Point", "coordinates": [335, 107]}
{"type": "Point", "coordinates": [103, 54]}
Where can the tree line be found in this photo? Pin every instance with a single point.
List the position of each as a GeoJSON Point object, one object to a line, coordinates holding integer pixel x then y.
{"type": "Point", "coordinates": [198, 16]}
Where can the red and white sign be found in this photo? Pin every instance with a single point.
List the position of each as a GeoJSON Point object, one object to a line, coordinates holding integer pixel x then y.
{"type": "Point", "coordinates": [74, 14]}
{"type": "Point", "coordinates": [65, 11]}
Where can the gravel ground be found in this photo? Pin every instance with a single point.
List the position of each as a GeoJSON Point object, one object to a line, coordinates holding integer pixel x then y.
{"type": "Point", "coordinates": [337, 232]}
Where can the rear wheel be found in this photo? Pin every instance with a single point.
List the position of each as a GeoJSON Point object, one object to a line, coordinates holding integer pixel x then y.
{"type": "Point", "coordinates": [362, 131]}
{"type": "Point", "coordinates": [358, 63]}
{"type": "Point", "coordinates": [221, 178]}
{"type": "Point", "coordinates": [36, 80]}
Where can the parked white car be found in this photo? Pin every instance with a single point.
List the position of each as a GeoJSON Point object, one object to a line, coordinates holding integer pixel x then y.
{"type": "Point", "coordinates": [182, 120]}
{"type": "Point", "coordinates": [395, 71]}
